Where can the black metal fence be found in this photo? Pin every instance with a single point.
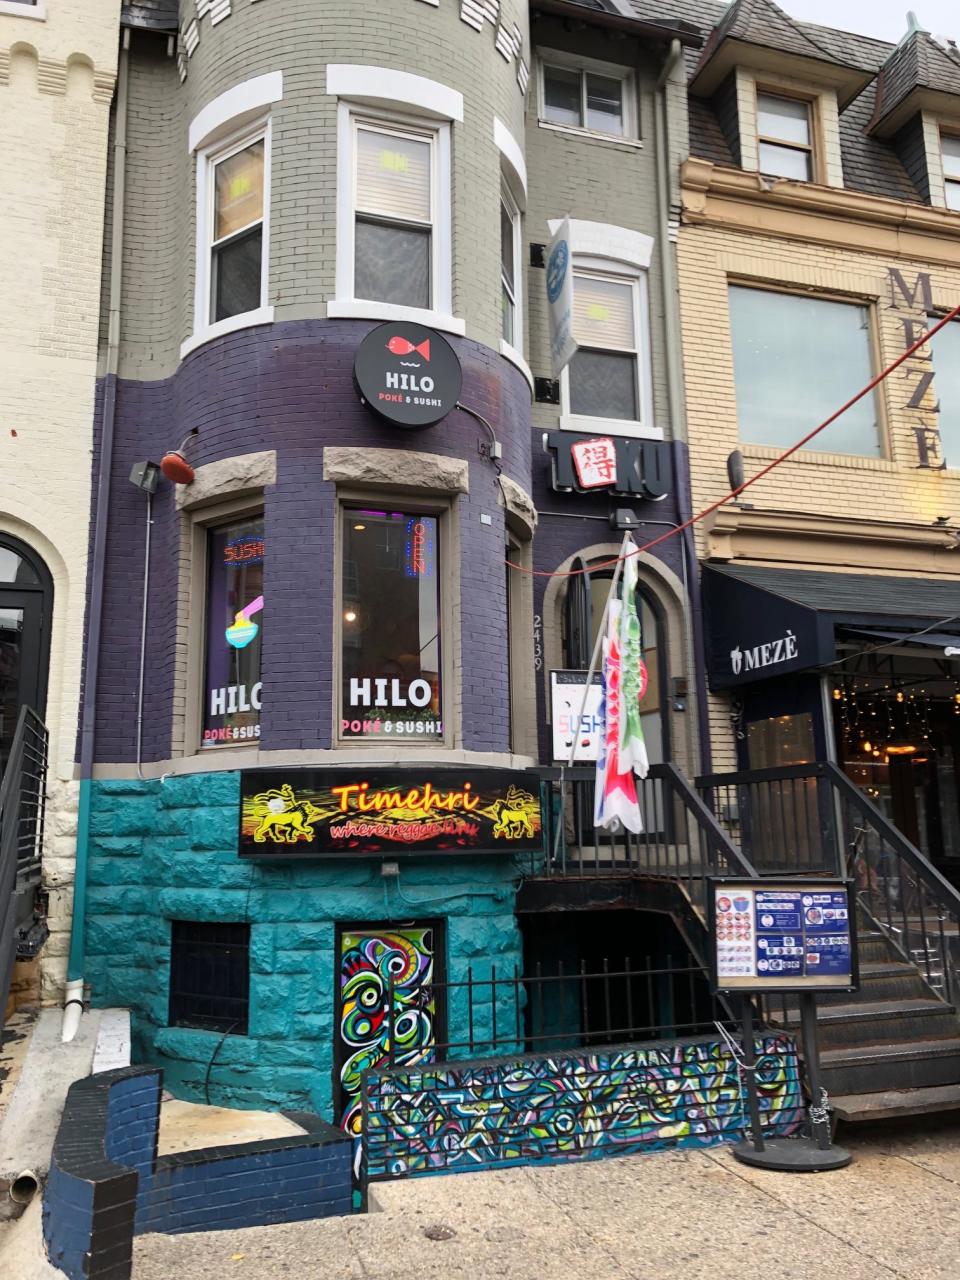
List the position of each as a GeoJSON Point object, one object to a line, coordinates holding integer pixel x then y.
{"type": "Point", "coordinates": [22, 803]}
{"type": "Point", "coordinates": [813, 819]}
{"type": "Point", "coordinates": [681, 838]}
{"type": "Point", "coordinates": [570, 1008]}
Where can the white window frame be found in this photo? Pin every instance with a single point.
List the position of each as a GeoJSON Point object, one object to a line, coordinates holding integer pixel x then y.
{"type": "Point", "coordinates": [508, 203]}
{"type": "Point", "coordinates": [439, 314]}
{"type": "Point", "coordinates": [949, 183]}
{"type": "Point", "coordinates": [610, 71]}
{"type": "Point", "coordinates": [642, 428]}
{"type": "Point", "coordinates": [24, 8]}
{"type": "Point", "coordinates": [207, 159]}
{"type": "Point", "coordinates": [808, 149]}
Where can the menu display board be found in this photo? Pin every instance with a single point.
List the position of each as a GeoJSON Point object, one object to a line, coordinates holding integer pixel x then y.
{"type": "Point", "coordinates": [795, 935]}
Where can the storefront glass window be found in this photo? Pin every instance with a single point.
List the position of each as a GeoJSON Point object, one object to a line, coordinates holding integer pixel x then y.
{"type": "Point", "coordinates": [796, 359]}
{"type": "Point", "coordinates": [390, 626]}
{"type": "Point", "coordinates": [234, 633]}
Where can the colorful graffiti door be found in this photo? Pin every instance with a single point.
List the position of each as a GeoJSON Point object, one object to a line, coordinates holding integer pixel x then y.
{"type": "Point", "coordinates": [372, 961]}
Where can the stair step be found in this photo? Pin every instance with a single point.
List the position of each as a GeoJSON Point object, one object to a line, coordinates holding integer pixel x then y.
{"type": "Point", "coordinates": [883, 980]}
{"type": "Point", "coordinates": [856, 1108]}
{"type": "Point", "coordinates": [871, 1009]}
{"type": "Point", "coordinates": [874, 1068]}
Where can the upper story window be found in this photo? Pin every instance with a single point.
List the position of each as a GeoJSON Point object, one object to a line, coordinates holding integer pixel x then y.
{"type": "Point", "coordinates": [511, 290]}
{"type": "Point", "coordinates": [785, 134]}
{"type": "Point", "coordinates": [588, 96]}
{"type": "Point", "coordinates": [607, 381]}
{"type": "Point", "coordinates": [945, 353]}
{"type": "Point", "coordinates": [234, 632]}
{"type": "Point", "coordinates": [231, 139]}
{"type": "Point", "coordinates": [394, 181]}
{"type": "Point", "coordinates": [236, 230]}
{"type": "Point", "coordinates": [950, 150]}
{"type": "Point", "coordinates": [795, 358]}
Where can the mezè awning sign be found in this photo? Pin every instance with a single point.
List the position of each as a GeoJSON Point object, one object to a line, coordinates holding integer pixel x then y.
{"type": "Point", "coordinates": [331, 813]}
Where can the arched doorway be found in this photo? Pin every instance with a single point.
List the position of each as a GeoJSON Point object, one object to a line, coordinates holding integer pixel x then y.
{"type": "Point", "coordinates": [583, 612]}
{"type": "Point", "coordinates": [26, 601]}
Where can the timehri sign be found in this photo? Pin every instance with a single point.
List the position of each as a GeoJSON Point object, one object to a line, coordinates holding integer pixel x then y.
{"type": "Point", "coordinates": [408, 374]}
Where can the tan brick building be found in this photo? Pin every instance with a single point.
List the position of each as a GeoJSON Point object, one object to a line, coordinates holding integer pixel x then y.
{"type": "Point", "coordinates": [57, 71]}
{"type": "Point", "coordinates": [819, 240]}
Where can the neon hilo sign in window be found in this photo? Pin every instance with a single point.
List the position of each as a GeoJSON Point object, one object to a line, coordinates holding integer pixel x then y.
{"type": "Point", "coordinates": [390, 625]}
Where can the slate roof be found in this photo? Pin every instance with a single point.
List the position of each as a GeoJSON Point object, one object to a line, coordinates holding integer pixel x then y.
{"type": "Point", "coordinates": [918, 62]}
{"type": "Point", "coordinates": [155, 15]}
{"type": "Point", "coordinates": [762, 22]}
{"type": "Point", "coordinates": [870, 165]}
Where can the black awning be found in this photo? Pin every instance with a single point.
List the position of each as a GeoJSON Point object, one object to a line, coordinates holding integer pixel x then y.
{"type": "Point", "coordinates": [767, 622]}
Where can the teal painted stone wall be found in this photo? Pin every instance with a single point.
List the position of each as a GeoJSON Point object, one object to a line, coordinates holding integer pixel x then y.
{"type": "Point", "coordinates": [163, 851]}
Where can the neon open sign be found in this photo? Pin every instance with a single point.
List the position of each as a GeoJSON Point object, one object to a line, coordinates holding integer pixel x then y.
{"type": "Point", "coordinates": [419, 549]}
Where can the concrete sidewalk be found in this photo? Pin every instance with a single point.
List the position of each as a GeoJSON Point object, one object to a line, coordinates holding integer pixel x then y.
{"type": "Point", "coordinates": [894, 1212]}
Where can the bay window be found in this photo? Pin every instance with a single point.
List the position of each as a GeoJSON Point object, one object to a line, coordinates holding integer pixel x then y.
{"type": "Point", "coordinates": [394, 206]}
{"type": "Point", "coordinates": [795, 358]}
{"type": "Point", "coordinates": [390, 625]}
{"type": "Point", "coordinates": [510, 270]}
{"type": "Point", "coordinates": [234, 633]}
{"type": "Point", "coordinates": [235, 229]}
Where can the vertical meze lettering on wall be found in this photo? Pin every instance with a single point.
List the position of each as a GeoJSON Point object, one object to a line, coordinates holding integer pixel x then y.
{"type": "Point", "coordinates": [922, 404]}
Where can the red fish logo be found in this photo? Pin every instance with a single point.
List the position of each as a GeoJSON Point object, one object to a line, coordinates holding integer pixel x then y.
{"type": "Point", "coordinates": [401, 347]}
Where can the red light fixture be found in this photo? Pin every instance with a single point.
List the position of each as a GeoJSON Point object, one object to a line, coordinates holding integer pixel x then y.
{"type": "Point", "coordinates": [176, 468]}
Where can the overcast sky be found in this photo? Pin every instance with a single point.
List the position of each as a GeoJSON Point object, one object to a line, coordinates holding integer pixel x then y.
{"type": "Point", "coordinates": [886, 19]}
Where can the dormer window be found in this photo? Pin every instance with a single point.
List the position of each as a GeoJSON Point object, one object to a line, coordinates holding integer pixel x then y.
{"type": "Point", "coordinates": [785, 136]}
{"type": "Point", "coordinates": [950, 149]}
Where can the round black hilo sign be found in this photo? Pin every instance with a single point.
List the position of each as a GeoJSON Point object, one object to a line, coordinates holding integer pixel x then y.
{"type": "Point", "coordinates": [408, 374]}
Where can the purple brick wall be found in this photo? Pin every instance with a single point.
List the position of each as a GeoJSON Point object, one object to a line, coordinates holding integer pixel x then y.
{"type": "Point", "coordinates": [289, 387]}
{"type": "Point", "coordinates": [575, 526]}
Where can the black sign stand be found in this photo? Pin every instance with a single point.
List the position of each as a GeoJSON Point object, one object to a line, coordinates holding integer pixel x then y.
{"type": "Point", "coordinates": [811, 1154]}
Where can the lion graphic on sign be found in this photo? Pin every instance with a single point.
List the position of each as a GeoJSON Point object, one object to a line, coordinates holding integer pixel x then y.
{"type": "Point", "coordinates": [513, 815]}
{"type": "Point", "coordinates": [283, 818]}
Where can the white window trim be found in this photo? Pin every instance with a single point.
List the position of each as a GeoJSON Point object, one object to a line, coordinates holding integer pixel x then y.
{"type": "Point", "coordinates": [642, 428]}
{"type": "Point", "coordinates": [611, 71]}
{"type": "Point", "coordinates": [36, 11]}
{"type": "Point", "coordinates": [947, 181]}
{"type": "Point", "coordinates": [383, 87]}
{"type": "Point", "coordinates": [233, 109]}
{"type": "Point", "coordinates": [513, 355]}
{"type": "Point", "coordinates": [204, 330]}
{"type": "Point", "coordinates": [513, 209]}
{"type": "Point", "coordinates": [512, 161]}
{"type": "Point", "coordinates": [440, 314]}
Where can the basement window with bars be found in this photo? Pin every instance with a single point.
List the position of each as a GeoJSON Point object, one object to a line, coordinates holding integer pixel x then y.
{"type": "Point", "coordinates": [210, 975]}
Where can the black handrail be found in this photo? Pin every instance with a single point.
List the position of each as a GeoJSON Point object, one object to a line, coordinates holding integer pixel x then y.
{"type": "Point", "coordinates": [682, 840]}
{"type": "Point", "coordinates": [812, 818]}
{"type": "Point", "coordinates": [22, 808]}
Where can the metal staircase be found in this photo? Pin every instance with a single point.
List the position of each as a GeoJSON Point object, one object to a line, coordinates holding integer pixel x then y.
{"type": "Point", "coordinates": [22, 803]}
{"type": "Point", "coordinates": [893, 1048]}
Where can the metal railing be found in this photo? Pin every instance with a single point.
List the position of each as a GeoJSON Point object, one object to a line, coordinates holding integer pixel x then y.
{"type": "Point", "coordinates": [22, 803]}
{"type": "Point", "coordinates": [507, 1012]}
{"type": "Point", "coordinates": [681, 840]}
{"type": "Point", "coordinates": [813, 819]}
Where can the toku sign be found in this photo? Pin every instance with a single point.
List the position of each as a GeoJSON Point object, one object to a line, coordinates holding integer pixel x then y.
{"type": "Point", "coordinates": [611, 464]}
{"type": "Point", "coordinates": [408, 374]}
{"type": "Point", "coordinates": [298, 813]}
